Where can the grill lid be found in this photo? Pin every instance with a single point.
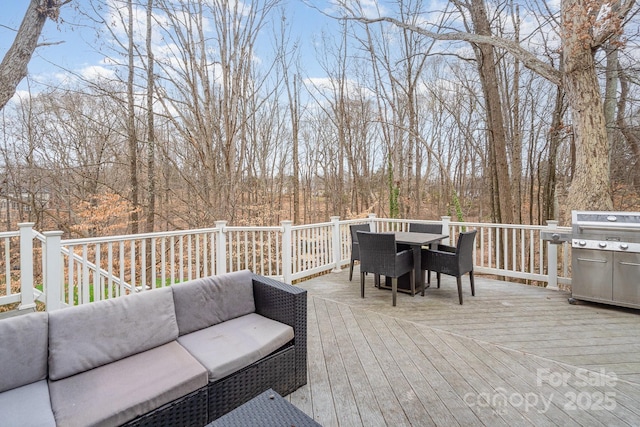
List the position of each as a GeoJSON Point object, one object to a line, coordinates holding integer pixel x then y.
{"type": "Point", "coordinates": [613, 231]}
{"type": "Point", "coordinates": [610, 218]}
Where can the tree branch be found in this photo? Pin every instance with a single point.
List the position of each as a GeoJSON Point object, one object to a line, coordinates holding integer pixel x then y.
{"type": "Point", "coordinates": [527, 58]}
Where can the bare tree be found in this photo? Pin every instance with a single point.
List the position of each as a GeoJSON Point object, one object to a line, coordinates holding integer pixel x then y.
{"type": "Point", "coordinates": [132, 137]}
{"type": "Point", "coordinates": [13, 67]}
{"type": "Point", "coordinates": [496, 132]}
{"type": "Point", "coordinates": [151, 137]}
{"type": "Point", "coordinates": [586, 26]}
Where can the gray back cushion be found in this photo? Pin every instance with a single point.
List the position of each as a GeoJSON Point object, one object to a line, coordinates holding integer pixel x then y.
{"type": "Point", "coordinates": [92, 335]}
{"type": "Point", "coordinates": [211, 300]}
{"type": "Point", "coordinates": [23, 350]}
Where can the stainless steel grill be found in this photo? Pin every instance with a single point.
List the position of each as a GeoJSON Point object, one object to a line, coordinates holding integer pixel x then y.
{"type": "Point", "coordinates": [606, 257]}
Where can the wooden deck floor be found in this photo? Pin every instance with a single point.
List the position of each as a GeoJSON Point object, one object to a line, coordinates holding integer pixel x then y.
{"type": "Point", "coordinates": [512, 355]}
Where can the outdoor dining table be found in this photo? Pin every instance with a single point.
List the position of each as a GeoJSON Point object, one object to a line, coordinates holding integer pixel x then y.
{"type": "Point", "coordinates": [416, 241]}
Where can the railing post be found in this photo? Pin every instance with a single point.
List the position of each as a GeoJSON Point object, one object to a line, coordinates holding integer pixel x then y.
{"type": "Point", "coordinates": [221, 248]}
{"type": "Point", "coordinates": [372, 222]}
{"type": "Point", "coordinates": [446, 220]}
{"type": "Point", "coordinates": [287, 258]}
{"type": "Point", "coordinates": [27, 300]}
{"type": "Point", "coordinates": [336, 243]}
{"type": "Point", "coordinates": [552, 258]}
{"type": "Point", "coordinates": [53, 270]}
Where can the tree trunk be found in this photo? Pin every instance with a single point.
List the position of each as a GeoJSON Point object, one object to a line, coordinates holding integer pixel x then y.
{"type": "Point", "coordinates": [131, 127]}
{"type": "Point", "coordinates": [495, 120]}
{"type": "Point", "coordinates": [590, 188]}
{"type": "Point", "coordinates": [632, 138]}
{"type": "Point", "coordinates": [14, 64]}
{"type": "Point", "coordinates": [548, 201]}
{"type": "Point", "coordinates": [151, 138]}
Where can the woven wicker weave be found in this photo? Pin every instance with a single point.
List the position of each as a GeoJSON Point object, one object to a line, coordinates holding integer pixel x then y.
{"type": "Point", "coordinates": [355, 246]}
{"type": "Point", "coordinates": [452, 261]}
{"type": "Point", "coordinates": [416, 227]}
{"type": "Point", "coordinates": [189, 410]}
{"type": "Point", "coordinates": [268, 409]}
{"type": "Point", "coordinates": [379, 255]}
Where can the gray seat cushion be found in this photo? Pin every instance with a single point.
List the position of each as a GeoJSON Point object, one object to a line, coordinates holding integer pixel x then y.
{"type": "Point", "coordinates": [27, 406]}
{"type": "Point", "coordinates": [91, 335]}
{"type": "Point", "coordinates": [211, 300]}
{"type": "Point", "coordinates": [230, 346]}
{"type": "Point", "coordinates": [23, 350]}
{"type": "Point", "coordinates": [113, 394]}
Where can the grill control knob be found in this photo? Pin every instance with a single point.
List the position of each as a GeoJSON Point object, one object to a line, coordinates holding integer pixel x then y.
{"type": "Point", "coordinates": [602, 245]}
{"type": "Point", "coordinates": [582, 243]}
{"type": "Point", "coordinates": [624, 246]}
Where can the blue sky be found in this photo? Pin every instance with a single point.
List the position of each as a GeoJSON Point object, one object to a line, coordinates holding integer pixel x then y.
{"type": "Point", "coordinates": [73, 46]}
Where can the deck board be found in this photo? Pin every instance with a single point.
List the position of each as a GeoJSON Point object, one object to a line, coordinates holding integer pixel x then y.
{"type": "Point", "coordinates": [429, 361]}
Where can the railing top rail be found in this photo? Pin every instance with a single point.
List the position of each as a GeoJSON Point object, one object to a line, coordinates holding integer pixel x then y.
{"type": "Point", "coordinates": [89, 240]}
{"type": "Point", "coordinates": [39, 236]}
{"type": "Point", "coordinates": [492, 225]}
{"type": "Point", "coordinates": [356, 220]}
{"type": "Point", "coordinates": [253, 228]}
{"type": "Point", "coordinates": [5, 234]}
{"type": "Point", "coordinates": [308, 226]}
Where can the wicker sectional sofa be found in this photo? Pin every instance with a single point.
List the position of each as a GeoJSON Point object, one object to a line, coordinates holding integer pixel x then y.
{"type": "Point", "coordinates": [177, 356]}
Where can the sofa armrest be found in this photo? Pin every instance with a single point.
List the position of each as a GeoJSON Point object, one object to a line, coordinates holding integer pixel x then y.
{"type": "Point", "coordinates": [286, 304]}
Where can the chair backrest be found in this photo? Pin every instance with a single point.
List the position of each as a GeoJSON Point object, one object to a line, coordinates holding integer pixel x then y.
{"type": "Point", "coordinates": [354, 231]}
{"type": "Point", "coordinates": [464, 250]}
{"type": "Point", "coordinates": [416, 227]}
{"type": "Point", "coordinates": [377, 251]}
{"type": "Point", "coordinates": [355, 247]}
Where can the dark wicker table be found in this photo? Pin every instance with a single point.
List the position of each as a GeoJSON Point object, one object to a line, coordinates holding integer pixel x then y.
{"type": "Point", "coordinates": [266, 410]}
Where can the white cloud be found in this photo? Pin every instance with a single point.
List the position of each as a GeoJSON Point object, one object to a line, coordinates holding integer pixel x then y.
{"type": "Point", "coordinates": [97, 72]}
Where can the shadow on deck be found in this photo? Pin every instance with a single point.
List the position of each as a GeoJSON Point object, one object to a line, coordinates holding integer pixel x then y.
{"type": "Point", "coordinates": [511, 355]}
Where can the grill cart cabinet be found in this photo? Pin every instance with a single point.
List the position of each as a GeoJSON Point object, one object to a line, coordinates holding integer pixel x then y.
{"type": "Point", "coordinates": [626, 279]}
{"type": "Point", "coordinates": [606, 258]}
{"type": "Point", "coordinates": [592, 275]}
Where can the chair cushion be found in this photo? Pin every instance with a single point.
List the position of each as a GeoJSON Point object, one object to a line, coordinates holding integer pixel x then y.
{"type": "Point", "coordinates": [121, 391]}
{"type": "Point", "coordinates": [27, 406]}
{"type": "Point", "coordinates": [230, 346]}
{"type": "Point", "coordinates": [211, 300]}
{"type": "Point", "coordinates": [91, 335]}
{"type": "Point", "coordinates": [23, 350]}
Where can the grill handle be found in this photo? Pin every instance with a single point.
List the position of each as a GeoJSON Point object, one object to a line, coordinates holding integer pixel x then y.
{"type": "Point", "coordinates": [633, 264]}
{"type": "Point", "coordinates": [610, 227]}
{"type": "Point", "coordinates": [601, 261]}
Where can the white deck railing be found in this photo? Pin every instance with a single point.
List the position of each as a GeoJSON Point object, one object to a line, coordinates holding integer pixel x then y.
{"type": "Point", "coordinates": [77, 271]}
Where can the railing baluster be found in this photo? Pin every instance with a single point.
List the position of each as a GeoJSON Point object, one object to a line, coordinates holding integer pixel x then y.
{"type": "Point", "coordinates": [97, 295]}
{"type": "Point", "coordinates": [122, 267]}
{"type": "Point", "coordinates": [110, 269]}
{"type": "Point", "coordinates": [198, 255]}
{"type": "Point", "coordinates": [143, 265]}
{"type": "Point", "coordinates": [181, 258]}
{"type": "Point", "coordinates": [172, 254]}
{"type": "Point", "coordinates": [153, 263]}
{"type": "Point", "coordinates": [163, 262]}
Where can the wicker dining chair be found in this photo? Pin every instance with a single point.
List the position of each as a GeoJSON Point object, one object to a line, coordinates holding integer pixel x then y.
{"type": "Point", "coordinates": [452, 261]}
{"type": "Point", "coordinates": [355, 247]}
{"type": "Point", "coordinates": [379, 255]}
{"type": "Point", "coordinates": [418, 227]}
